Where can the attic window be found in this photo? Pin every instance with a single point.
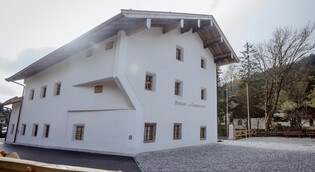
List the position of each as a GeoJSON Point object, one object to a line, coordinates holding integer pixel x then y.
{"type": "Point", "coordinates": [109, 45]}
{"type": "Point", "coordinates": [89, 52]}
{"type": "Point", "coordinates": [32, 92]}
{"type": "Point", "coordinates": [150, 81]}
{"type": "Point", "coordinates": [179, 54]}
{"type": "Point", "coordinates": [178, 88]}
{"type": "Point", "coordinates": [203, 63]}
{"type": "Point", "coordinates": [98, 89]}
{"type": "Point", "coordinates": [203, 94]}
{"type": "Point", "coordinates": [43, 92]}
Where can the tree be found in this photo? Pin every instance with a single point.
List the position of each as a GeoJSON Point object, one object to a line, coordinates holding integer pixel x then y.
{"type": "Point", "coordinates": [276, 58]}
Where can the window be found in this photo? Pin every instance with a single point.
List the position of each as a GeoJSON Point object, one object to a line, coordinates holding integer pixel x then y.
{"type": "Point", "coordinates": [12, 128]}
{"type": "Point", "coordinates": [178, 88]}
{"type": "Point", "coordinates": [240, 122]}
{"type": "Point", "coordinates": [57, 88]}
{"type": "Point", "coordinates": [98, 89]}
{"type": "Point", "coordinates": [177, 131]}
{"type": "Point", "coordinates": [23, 129]}
{"type": "Point", "coordinates": [89, 52]}
{"type": "Point", "coordinates": [35, 130]}
{"type": "Point", "coordinates": [46, 130]}
{"type": "Point", "coordinates": [79, 132]}
{"type": "Point", "coordinates": [179, 54]}
{"type": "Point", "coordinates": [203, 63]}
{"type": "Point", "coordinates": [203, 133]}
{"type": "Point", "coordinates": [203, 94]}
{"type": "Point", "coordinates": [32, 93]}
{"type": "Point", "coordinates": [43, 92]}
{"type": "Point", "coordinates": [109, 45]}
{"type": "Point", "coordinates": [149, 132]}
{"type": "Point", "coordinates": [150, 82]}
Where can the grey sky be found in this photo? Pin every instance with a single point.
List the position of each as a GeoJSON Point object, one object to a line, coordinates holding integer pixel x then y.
{"type": "Point", "coordinates": [33, 28]}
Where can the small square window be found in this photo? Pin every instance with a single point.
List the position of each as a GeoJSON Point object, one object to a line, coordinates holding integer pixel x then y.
{"type": "Point", "coordinates": [203, 133]}
{"type": "Point", "coordinates": [57, 89]}
{"type": "Point", "coordinates": [43, 92]}
{"type": "Point", "coordinates": [79, 132]}
{"type": "Point", "coordinates": [46, 130]}
{"type": "Point", "coordinates": [35, 130]}
{"type": "Point", "coordinates": [179, 54]}
{"type": "Point", "coordinates": [177, 132]}
{"type": "Point", "coordinates": [203, 63]}
{"type": "Point", "coordinates": [89, 52]}
{"type": "Point", "coordinates": [98, 89]}
{"type": "Point", "coordinates": [109, 45]}
{"type": "Point", "coordinates": [203, 94]}
{"type": "Point", "coordinates": [23, 129]}
{"type": "Point", "coordinates": [150, 82]}
{"type": "Point", "coordinates": [149, 132]}
{"type": "Point", "coordinates": [12, 128]}
{"type": "Point", "coordinates": [32, 93]}
{"type": "Point", "coordinates": [178, 88]}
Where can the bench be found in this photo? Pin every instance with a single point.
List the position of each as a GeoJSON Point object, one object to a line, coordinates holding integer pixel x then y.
{"type": "Point", "coordinates": [310, 133]}
{"type": "Point", "coordinates": [293, 133]}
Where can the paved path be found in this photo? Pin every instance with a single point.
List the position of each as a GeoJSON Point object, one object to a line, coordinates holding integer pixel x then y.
{"type": "Point", "coordinates": [91, 160]}
{"type": "Point", "coordinates": [252, 154]}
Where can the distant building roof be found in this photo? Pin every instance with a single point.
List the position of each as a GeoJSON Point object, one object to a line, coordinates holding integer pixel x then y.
{"type": "Point", "coordinates": [132, 21]}
{"type": "Point", "coordinates": [13, 100]}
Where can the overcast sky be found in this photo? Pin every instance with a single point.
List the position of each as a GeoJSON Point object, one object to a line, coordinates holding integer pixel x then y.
{"type": "Point", "coordinates": [30, 29]}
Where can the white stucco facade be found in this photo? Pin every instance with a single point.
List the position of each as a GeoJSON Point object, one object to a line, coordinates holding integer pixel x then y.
{"type": "Point", "coordinates": [114, 120]}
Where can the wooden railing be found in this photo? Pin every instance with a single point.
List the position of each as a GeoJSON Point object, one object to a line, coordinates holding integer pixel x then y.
{"type": "Point", "coordinates": [244, 133]}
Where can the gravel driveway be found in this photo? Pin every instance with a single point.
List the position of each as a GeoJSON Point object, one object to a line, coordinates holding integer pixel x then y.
{"type": "Point", "coordinates": [251, 154]}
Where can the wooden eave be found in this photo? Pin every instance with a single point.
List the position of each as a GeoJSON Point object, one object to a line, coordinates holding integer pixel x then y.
{"type": "Point", "coordinates": [132, 21]}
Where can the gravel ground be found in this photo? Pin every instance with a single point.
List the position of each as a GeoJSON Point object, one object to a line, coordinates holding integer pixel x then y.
{"type": "Point", "coordinates": [251, 154]}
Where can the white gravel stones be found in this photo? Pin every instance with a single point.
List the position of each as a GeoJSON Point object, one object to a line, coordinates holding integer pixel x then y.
{"type": "Point", "coordinates": [251, 154]}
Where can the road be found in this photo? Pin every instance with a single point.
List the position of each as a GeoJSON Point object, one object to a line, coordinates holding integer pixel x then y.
{"type": "Point", "coordinates": [91, 160]}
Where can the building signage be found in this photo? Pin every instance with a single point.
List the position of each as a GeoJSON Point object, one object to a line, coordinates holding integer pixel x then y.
{"type": "Point", "coordinates": [178, 103]}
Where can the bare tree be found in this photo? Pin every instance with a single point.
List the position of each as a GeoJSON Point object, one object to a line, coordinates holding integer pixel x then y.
{"type": "Point", "coordinates": [276, 58]}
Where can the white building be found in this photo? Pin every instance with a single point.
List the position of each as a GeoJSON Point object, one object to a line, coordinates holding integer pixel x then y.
{"type": "Point", "coordinates": [141, 81]}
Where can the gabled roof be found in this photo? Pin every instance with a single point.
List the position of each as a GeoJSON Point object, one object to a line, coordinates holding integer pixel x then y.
{"type": "Point", "coordinates": [13, 100]}
{"type": "Point", "coordinates": [132, 21]}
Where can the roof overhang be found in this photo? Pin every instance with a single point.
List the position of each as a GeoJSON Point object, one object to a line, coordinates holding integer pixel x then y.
{"type": "Point", "coordinates": [133, 21]}
{"type": "Point", "coordinates": [13, 101]}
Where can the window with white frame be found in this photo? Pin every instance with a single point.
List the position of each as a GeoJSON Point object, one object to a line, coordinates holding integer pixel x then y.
{"type": "Point", "coordinates": [149, 132]}
{"type": "Point", "coordinates": [203, 133]}
{"type": "Point", "coordinates": [23, 129]}
{"type": "Point", "coordinates": [57, 89]}
{"type": "Point", "coordinates": [35, 130]}
{"type": "Point", "coordinates": [12, 128]}
{"type": "Point", "coordinates": [150, 81]}
{"type": "Point", "coordinates": [32, 93]}
{"type": "Point", "coordinates": [43, 92]}
{"type": "Point", "coordinates": [46, 130]}
{"type": "Point", "coordinates": [177, 131]}
{"type": "Point", "coordinates": [179, 53]}
{"type": "Point", "coordinates": [203, 94]}
{"type": "Point", "coordinates": [78, 132]}
{"type": "Point", "coordinates": [178, 90]}
{"type": "Point", "coordinates": [203, 63]}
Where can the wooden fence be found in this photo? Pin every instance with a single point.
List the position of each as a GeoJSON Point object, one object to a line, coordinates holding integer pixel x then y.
{"type": "Point", "coordinates": [244, 133]}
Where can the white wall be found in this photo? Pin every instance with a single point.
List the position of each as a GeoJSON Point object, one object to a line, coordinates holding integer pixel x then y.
{"type": "Point", "coordinates": [154, 52]}
{"type": "Point", "coordinates": [13, 120]}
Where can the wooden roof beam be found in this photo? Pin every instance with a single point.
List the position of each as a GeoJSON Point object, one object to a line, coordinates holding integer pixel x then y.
{"type": "Point", "coordinates": [139, 27]}
{"type": "Point", "coordinates": [173, 26]}
{"type": "Point", "coordinates": [201, 25]}
{"type": "Point", "coordinates": [212, 42]}
{"type": "Point", "coordinates": [223, 57]}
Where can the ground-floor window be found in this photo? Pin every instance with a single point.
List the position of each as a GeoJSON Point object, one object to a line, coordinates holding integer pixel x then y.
{"type": "Point", "coordinates": [46, 130]}
{"type": "Point", "coordinates": [149, 132]}
{"type": "Point", "coordinates": [23, 129]}
{"type": "Point", "coordinates": [35, 130]}
{"type": "Point", "coordinates": [79, 132]}
{"type": "Point", "coordinates": [203, 133]}
{"type": "Point", "coordinates": [177, 131]}
{"type": "Point", "coordinates": [12, 128]}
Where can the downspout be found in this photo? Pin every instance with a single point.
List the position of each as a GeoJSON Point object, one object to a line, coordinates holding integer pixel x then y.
{"type": "Point", "coordinates": [18, 121]}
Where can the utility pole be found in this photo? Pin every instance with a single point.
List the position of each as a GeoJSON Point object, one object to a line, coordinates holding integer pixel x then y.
{"type": "Point", "coordinates": [227, 112]}
{"type": "Point", "coordinates": [248, 116]}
